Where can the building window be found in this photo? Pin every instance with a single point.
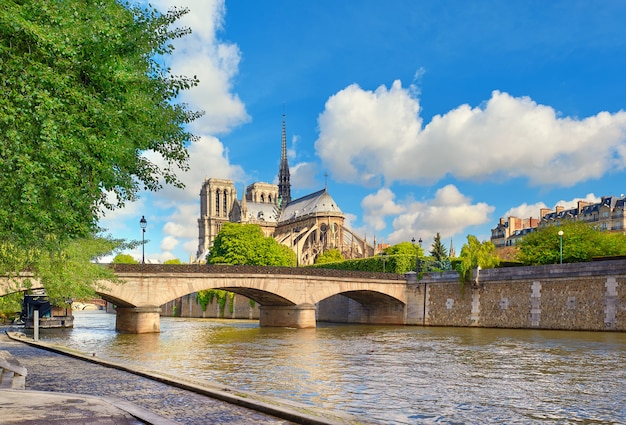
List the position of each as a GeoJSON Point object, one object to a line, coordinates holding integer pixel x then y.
{"type": "Point", "coordinates": [217, 202]}
{"type": "Point", "coordinates": [225, 204]}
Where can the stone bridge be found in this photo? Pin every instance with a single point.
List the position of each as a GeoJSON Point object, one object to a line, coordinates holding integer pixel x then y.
{"type": "Point", "coordinates": [287, 296]}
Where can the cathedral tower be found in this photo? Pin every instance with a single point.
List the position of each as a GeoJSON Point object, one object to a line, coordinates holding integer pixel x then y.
{"type": "Point", "coordinates": [284, 185]}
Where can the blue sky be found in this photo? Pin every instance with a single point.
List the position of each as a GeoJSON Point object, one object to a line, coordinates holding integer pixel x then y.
{"type": "Point", "coordinates": [427, 116]}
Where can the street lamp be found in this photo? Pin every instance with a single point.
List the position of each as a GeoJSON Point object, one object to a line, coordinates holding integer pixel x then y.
{"type": "Point", "coordinates": [417, 259]}
{"type": "Point", "coordinates": [143, 223]}
{"type": "Point", "coordinates": [383, 256]}
{"type": "Point", "coordinates": [561, 246]}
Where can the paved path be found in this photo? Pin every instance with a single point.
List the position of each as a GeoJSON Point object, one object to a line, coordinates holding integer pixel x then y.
{"type": "Point", "coordinates": [48, 371]}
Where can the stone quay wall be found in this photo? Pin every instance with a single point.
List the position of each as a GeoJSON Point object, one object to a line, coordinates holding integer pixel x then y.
{"type": "Point", "coordinates": [582, 296]}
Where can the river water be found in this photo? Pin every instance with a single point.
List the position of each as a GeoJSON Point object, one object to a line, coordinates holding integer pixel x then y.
{"type": "Point", "coordinates": [387, 374]}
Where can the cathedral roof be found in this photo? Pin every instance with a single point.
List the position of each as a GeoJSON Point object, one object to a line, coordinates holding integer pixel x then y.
{"type": "Point", "coordinates": [261, 211]}
{"type": "Point", "coordinates": [319, 202]}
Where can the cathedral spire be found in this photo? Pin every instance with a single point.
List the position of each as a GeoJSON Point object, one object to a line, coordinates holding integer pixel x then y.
{"type": "Point", "coordinates": [284, 185]}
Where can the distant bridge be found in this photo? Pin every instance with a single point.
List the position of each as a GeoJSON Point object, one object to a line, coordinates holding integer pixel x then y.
{"type": "Point", "coordinates": [286, 295]}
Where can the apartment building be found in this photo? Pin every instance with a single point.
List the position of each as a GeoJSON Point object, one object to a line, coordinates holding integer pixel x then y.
{"type": "Point", "coordinates": [606, 215]}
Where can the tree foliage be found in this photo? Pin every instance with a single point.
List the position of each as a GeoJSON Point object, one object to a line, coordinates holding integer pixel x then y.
{"type": "Point", "coordinates": [402, 256]}
{"type": "Point", "coordinates": [11, 306]}
{"type": "Point", "coordinates": [67, 272]}
{"type": "Point", "coordinates": [581, 242]}
{"type": "Point", "coordinates": [474, 254]}
{"type": "Point", "coordinates": [84, 94]}
{"type": "Point", "coordinates": [172, 261]}
{"type": "Point", "coordinates": [330, 256]}
{"type": "Point", "coordinates": [439, 254]}
{"type": "Point", "coordinates": [124, 259]}
{"type": "Point", "coordinates": [245, 244]}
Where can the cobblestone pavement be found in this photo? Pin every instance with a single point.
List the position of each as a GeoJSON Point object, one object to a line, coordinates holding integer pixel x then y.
{"type": "Point", "coordinates": [48, 371]}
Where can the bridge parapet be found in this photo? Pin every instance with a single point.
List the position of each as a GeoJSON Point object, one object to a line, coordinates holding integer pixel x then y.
{"type": "Point", "coordinates": [253, 270]}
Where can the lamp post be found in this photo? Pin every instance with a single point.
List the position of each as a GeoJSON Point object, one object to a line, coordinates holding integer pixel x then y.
{"type": "Point", "coordinates": [561, 246]}
{"type": "Point", "coordinates": [383, 256]}
{"type": "Point", "coordinates": [417, 262]}
{"type": "Point", "coordinates": [143, 223]}
{"type": "Point", "coordinates": [417, 256]}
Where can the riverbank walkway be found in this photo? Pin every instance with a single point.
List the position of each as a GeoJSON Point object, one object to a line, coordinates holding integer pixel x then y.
{"type": "Point", "coordinates": [63, 389]}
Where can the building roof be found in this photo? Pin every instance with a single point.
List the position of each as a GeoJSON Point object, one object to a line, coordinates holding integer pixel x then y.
{"type": "Point", "coordinates": [261, 211]}
{"type": "Point", "coordinates": [314, 203]}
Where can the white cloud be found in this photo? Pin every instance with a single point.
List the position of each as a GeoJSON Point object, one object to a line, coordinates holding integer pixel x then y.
{"type": "Point", "coordinates": [574, 202]}
{"type": "Point", "coordinates": [302, 176]}
{"type": "Point", "coordinates": [124, 222]}
{"type": "Point", "coordinates": [379, 205]}
{"type": "Point", "coordinates": [291, 152]}
{"type": "Point", "coordinates": [213, 61]}
{"type": "Point", "coordinates": [533, 210]}
{"type": "Point", "coordinates": [525, 210]}
{"type": "Point", "coordinates": [362, 133]}
{"type": "Point", "coordinates": [169, 243]}
{"type": "Point", "coordinates": [449, 213]}
{"type": "Point", "coordinates": [366, 136]}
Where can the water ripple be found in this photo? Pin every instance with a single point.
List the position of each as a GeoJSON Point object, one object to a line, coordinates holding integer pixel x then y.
{"type": "Point", "coordinates": [393, 375]}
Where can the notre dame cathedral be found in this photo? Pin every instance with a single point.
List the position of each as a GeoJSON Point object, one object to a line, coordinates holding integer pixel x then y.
{"type": "Point", "coordinates": [309, 225]}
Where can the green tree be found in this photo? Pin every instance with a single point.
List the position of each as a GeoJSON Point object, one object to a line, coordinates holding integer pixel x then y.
{"type": "Point", "coordinates": [439, 254]}
{"type": "Point", "coordinates": [246, 244]}
{"type": "Point", "coordinates": [330, 256]}
{"type": "Point", "coordinates": [124, 259]}
{"type": "Point", "coordinates": [11, 306]}
{"type": "Point", "coordinates": [173, 261]}
{"type": "Point", "coordinates": [84, 93]}
{"type": "Point", "coordinates": [402, 257]}
{"type": "Point", "coordinates": [581, 242]}
{"type": "Point", "coordinates": [474, 254]}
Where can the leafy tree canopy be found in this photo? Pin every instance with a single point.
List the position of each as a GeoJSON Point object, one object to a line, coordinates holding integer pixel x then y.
{"type": "Point", "coordinates": [474, 254]}
{"type": "Point", "coordinates": [404, 248]}
{"type": "Point", "coordinates": [401, 257]}
{"type": "Point", "coordinates": [438, 251]}
{"type": "Point", "coordinates": [67, 272]}
{"type": "Point", "coordinates": [581, 242]}
{"type": "Point", "coordinates": [439, 254]}
{"type": "Point", "coordinates": [173, 261]}
{"type": "Point", "coordinates": [124, 259]}
{"type": "Point", "coordinates": [83, 94]}
{"type": "Point", "coordinates": [330, 256]}
{"type": "Point", "coordinates": [245, 244]}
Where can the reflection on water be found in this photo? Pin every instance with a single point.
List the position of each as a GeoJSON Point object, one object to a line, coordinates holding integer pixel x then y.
{"type": "Point", "coordinates": [403, 375]}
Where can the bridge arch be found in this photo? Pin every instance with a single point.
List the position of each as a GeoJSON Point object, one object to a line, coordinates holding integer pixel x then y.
{"type": "Point", "coordinates": [259, 296]}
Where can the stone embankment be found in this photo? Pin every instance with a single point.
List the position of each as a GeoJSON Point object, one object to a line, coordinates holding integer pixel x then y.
{"type": "Point", "coordinates": [72, 372]}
